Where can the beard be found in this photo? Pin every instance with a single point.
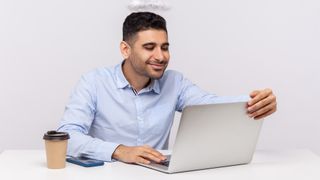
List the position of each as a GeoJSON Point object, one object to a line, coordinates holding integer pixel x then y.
{"type": "Point", "coordinates": [158, 68]}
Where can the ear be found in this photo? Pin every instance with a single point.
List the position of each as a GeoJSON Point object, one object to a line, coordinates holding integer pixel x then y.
{"type": "Point", "coordinates": [125, 49]}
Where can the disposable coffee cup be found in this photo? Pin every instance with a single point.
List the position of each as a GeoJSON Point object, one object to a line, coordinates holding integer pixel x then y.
{"type": "Point", "coordinates": [56, 149]}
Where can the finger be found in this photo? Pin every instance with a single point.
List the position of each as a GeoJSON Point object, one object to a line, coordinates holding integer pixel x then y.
{"type": "Point", "coordinates": [154, 152]}
{"type": "Point", "coordinates": [254, 93]}
{"type": "Point", "coordinates": [142, 160]}
{"type": "Point", "coordinates": [150, 156]}
{"type": "Point", "coordinates": [263, 110]}
{"type": "Point", "coordinates": [264, 115]}
{"type": "Point", "coordinates": [262, 103]}
{"type": "Point", "coordinates": [261, 95]}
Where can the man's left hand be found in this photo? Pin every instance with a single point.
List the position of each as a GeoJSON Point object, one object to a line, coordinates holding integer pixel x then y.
{"type": "Point", "coordinates": [262, 104]}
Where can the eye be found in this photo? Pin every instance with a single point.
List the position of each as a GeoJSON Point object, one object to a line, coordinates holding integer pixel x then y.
{"type": "Point", "coordinates": [149, 47]}
{"type": "Point", "coordinates": [165, 48]}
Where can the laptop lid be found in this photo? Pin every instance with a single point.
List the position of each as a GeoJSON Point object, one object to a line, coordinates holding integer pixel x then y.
{"type": "Point", "coordinates": [214, 135]}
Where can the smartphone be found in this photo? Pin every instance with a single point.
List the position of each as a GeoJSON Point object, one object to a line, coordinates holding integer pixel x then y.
{"type": "Point", "coordinates": [85, 162]}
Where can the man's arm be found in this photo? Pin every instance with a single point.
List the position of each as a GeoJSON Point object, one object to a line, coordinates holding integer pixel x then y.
{"type": "Point", "coordinates": [77, 119]}
{"type": "Point", "coordinates": [191, 94]}
{"type": "Point", "coordinates": [261, 103]}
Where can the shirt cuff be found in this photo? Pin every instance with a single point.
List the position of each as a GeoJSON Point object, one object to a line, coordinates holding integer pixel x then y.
{"type": "Point", "coordinates": [106, 150]}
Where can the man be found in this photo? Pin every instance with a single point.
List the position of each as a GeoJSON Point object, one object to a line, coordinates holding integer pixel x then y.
{"type": "Point", "coordinates": [126, 112]}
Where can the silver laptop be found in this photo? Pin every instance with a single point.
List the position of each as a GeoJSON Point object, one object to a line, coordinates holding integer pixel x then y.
{"type": "Point", "coordinates": [210, 136]}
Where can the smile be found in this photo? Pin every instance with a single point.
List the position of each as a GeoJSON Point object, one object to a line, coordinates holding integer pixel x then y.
{"type": "Point", "coordinates": [157, 66]}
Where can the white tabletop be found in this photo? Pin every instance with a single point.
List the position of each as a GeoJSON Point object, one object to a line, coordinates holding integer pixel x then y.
{"type": "Point", "coordinates": [267, 164]}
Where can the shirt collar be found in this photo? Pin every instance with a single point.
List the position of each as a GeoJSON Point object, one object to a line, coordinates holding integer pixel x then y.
{"type": "Point", "coordinates": [122, 82]}
{"type": "Point", "coordinates": [155, 86]}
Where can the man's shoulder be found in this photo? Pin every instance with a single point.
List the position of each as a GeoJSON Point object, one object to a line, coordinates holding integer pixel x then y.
{"type": "Point", "coordinates": [172, 75]}
{"type": "Point", "coordinates": [99, 72]}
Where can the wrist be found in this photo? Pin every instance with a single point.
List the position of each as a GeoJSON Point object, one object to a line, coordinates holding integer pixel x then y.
{"type": "Point", "coordinates": [117, 152]}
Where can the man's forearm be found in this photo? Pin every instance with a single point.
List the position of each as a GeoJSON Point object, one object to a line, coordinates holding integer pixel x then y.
{"type": "Point", "coordinates": [84, 145]}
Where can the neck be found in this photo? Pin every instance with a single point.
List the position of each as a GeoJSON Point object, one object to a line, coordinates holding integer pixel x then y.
{"type": "Point", "coordinates": [136, 80]}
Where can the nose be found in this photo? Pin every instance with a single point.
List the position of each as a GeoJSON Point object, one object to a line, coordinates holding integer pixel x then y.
{"type": "Point", "coordinates": [159, 55]}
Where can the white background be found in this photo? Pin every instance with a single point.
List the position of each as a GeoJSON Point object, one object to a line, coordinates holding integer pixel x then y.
{"type": "Point", "coordinates": [227, 47]}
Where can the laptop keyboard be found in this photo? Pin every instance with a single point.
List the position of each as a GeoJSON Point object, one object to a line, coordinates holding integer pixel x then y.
{"type": "Point", "coordinates": [165, 163]}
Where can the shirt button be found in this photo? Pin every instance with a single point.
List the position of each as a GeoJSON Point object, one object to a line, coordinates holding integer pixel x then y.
{"type": "Point", "coordinates": [139, 118]}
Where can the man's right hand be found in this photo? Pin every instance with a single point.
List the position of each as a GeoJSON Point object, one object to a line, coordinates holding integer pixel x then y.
{"type": "Point", "coordinates": [137, 154]}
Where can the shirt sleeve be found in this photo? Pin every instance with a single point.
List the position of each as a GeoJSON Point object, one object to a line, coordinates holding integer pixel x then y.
{"type": "Point", "coordinates": [191, 94]}
{"type": "Point", "coordinates": [77, 119]}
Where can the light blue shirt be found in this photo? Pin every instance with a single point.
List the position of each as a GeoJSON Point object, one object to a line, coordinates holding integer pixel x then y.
{"type": "Point", "coordinates": [104, 111]}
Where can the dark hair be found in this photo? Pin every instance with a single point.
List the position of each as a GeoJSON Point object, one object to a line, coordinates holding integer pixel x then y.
{"type": "Point", "coordinates": [139, 21]}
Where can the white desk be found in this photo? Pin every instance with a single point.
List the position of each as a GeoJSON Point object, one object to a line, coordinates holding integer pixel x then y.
{"type": "Point", "coordinates": [268, 165]}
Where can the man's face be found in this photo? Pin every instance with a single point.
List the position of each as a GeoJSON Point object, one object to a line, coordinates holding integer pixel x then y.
{"type": "Point", "coordinates": [150, 55]}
